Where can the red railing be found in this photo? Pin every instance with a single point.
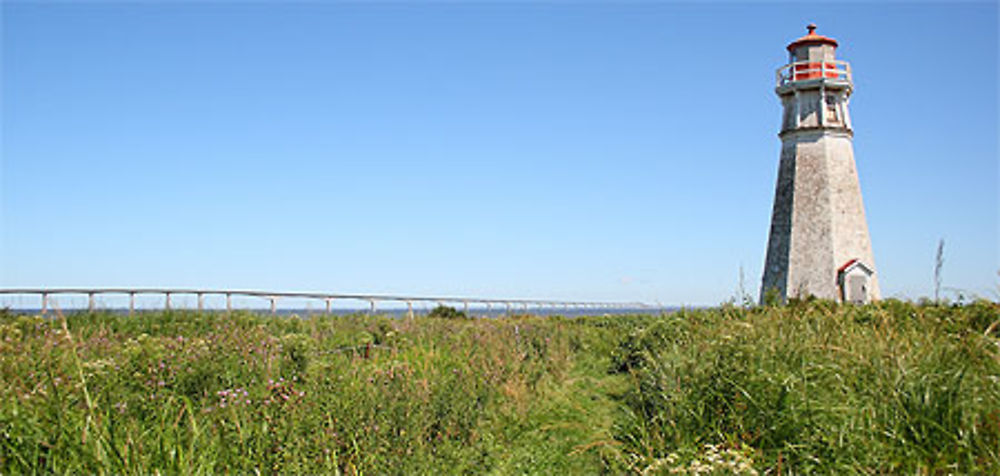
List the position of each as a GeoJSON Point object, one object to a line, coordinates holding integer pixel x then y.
{"type": "Point", "coordinates": [812, 70]}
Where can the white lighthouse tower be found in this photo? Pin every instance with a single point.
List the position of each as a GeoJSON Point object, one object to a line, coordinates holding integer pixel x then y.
{"type": "Point", "coordinates": [819, 243]}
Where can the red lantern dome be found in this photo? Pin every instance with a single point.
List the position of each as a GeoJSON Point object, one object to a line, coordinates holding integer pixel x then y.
{"type": "Point", "coordinates": [812, 38]}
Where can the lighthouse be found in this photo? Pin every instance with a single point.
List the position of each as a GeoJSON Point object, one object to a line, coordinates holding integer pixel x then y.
{"type": "Point", "coordinates": [819, 243]}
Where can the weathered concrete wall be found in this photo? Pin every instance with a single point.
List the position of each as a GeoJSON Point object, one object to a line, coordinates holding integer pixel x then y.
{"type": "Point", "coordinates": [851, 240]}
{"type": "Point", "coordinates": [778, 244]}
{"type": "Point", "coordinates": [810, 254]}
{"type": "Point", "coordinates": [803, 207]}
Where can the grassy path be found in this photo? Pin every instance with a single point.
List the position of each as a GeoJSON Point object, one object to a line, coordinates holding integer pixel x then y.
{"type": "Point", "coordinates": [568, 428]}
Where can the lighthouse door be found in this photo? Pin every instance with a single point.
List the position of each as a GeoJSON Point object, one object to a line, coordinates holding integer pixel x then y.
{"type": "Point", "coordinates": [857, 289]}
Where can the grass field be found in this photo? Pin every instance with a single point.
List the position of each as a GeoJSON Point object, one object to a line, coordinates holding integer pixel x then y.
{"type": "Point", "coordinates": [811, 387]}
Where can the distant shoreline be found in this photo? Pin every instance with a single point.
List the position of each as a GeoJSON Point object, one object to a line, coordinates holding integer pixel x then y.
{"type": "Point", "coordinates": [393, 312]}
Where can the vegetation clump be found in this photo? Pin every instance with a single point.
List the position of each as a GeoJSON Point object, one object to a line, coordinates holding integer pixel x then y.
{"type": "Point", "coordinates": [892, 387]}
{"type": "Point", "coordinates": [447, 312]}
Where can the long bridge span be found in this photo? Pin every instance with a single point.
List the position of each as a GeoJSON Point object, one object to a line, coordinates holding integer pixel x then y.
{"type": "Point", "coordinates": [46, 297]}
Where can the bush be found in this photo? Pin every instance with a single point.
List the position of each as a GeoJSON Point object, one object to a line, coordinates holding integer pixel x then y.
{"type": "Point", "coordinates": [447, 312]}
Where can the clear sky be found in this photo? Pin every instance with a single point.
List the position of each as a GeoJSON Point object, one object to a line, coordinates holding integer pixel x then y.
{"type": "Point", "coordinates": [556, 150]}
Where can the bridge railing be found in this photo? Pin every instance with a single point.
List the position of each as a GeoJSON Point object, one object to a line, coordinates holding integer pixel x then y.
{"type": "Point", "coordinates": [272, 298]}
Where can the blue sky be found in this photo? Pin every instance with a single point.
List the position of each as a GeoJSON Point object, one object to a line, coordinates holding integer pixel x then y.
{"type": "Point", "coordinates": [577, 151]}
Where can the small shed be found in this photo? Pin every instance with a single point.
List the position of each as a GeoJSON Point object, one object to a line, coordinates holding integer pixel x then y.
{"type": "Point", "coordinates": [853, 280]}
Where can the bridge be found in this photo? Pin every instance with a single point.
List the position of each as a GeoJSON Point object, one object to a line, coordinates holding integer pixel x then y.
{"type": "Point", "coordinates": [46, 296]}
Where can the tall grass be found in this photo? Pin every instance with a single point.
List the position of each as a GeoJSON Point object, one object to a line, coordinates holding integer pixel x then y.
{"type": "Point", "coordinates": [203, 393]}
{"type": "Point", "coordinates": [813, 387]}
{"type": "Point", "coordinates": [892, 387]}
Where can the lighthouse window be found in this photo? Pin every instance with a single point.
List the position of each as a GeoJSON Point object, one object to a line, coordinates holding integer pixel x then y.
{"type": "Point", "coordinates": [831, 109]}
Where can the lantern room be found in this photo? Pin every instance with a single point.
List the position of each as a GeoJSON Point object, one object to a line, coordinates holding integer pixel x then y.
{"type": "Point", "coordinates": [813, 57]}
{"type": "Point", "coordinates": [812, 47]}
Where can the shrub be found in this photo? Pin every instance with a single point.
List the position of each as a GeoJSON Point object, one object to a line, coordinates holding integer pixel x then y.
{"type": "Point", "coordinates": [447, 312]}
